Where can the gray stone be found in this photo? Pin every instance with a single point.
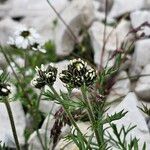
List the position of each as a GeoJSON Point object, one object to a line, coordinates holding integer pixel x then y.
{"type": "Point", "coordinates": [35, 143]}
{"type": "Point", "coordinates": [115, 37]}
{"type": "Point", "coordinates": [63, 144]}
{"type": "Point", "coordinates": [143, 85]}
{"type": "Point", "coordinates": [7, 28]}
{"type": "Point", "coordinates": [49, 123]}
{"type": "Point", "coordinates": [78, 15]}
{"type": "Point", "coordinates": [141, 56]}
{"type": "Point", "coordinates": [141, 131]}
{"type": "Point", "coordinates": [48, 107]}
{"type": "Point", "coordinates": [43, 20]}
{"type": "Point", "coordinates": [139, 17]}
{"type": "Point", "coordinates": [120, 88]}
{"type": "Point", "coordinates": [6, 135]}
{"type": "Point", "coordinates": [121, 7]}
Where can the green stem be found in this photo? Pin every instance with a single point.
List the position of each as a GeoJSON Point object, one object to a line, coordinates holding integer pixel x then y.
{"type": "Point", "coordinates": [70, 116]}
{"type": "Point", "coordinates": [39, 98]}
{"type": "Point", "coordinates": [12, 124]}
{"type": "Point", "coordinates": [40, 139]}
{"type": "Point", "coordinates": [91, 114]}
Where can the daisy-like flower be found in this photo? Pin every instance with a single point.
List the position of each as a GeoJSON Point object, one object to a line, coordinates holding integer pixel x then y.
{"type": "Point", "coordinates": [44, 76]}
{"type": "Point", "coordinates": [26, 39]}
{"type": "Point", "coordinates": [5, 89]}
{"type": "Point", "coordinates": [78, 74]}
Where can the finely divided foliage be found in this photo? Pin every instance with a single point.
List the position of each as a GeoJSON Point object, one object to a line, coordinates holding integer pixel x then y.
{"type": "Point", "coordinates": [88, 105]}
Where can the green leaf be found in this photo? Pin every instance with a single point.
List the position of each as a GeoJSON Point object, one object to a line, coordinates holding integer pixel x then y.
{"type": "Point", "coordinates": [114, 117]}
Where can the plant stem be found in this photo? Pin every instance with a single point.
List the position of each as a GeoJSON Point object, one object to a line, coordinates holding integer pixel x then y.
{"type": "Point", "coordinates": [91, 114]}
{"type": "Point", "coordinates": [16, 76]}
{"type": "Point", "coordinates": [12, 124]}
{"type": "Point", "coordinates": [63, 21]}
{"type": "Point", "coordinates": [40, 139]}
{"type": "Point", "coordinates": [39, 98]}
{"type": "Point", "coordinates": [70, 117]}
{"type": "Point", "coordinates": [104, 36]}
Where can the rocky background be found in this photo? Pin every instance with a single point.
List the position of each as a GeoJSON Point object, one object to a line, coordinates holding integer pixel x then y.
{"type": "Point", "coordinates": [123, 15]}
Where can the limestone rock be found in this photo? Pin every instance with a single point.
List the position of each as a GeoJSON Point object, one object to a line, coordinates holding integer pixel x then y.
{"type": "Point", "coordinates": [65, 145]}
{"type": "Point", "coordinates": [141, 56]}
{"type": "Point", "coordinates": [139, 17]}
{"type": "Point", "coordinates": [78, 15]}
{"type": "Point", "coordinates": [6, 135]}
{"type": "Point", "coordinates": [120, 88]}
{"type": "Point", "coordinates": [43, 20]}
{"type": "Point", "coordinates": [62, 144]}
{"type": "Point", "coordinates": [48, 107]}
{"type": "Point", "coordinates": [7, 28]}
{"type": "Point", "coordinates": [141, 131]}
{"type": "Point", "coordinates": [35, 143]}
{"type": "Point", "coordinates": [143, 85]}
{"type": "Point", "coordinates": [116, 37]}
{"type": "Point", "coordinates": [121, 7]}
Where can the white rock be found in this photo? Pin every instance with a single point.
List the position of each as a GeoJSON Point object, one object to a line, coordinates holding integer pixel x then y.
{"type": "Point", "coordinates": [6, 135]}
{"type": "Point", "coordinates": [147, 4]}
{"type": "Point", "coordinates": [121, 7]}
{"type": "Point", "coordinates": [4, 9]}
{"type": "Point", "coordinates": [63, 144]}
{"type": "Point", "coordinates": [7, 28]}
{"type": "Point", "coordinates": [96, 4]}
{"type": "Point", "coordinates": [139, 17]}
{"type": "Point", "coordinates": [58, 85]}
{"type": "Point", "coordinates": [133, 117]}
{"type": "Point", "coordinates": [43, 22]}
{"type": "Point", "coordinates": [78, 15]}
{"type": "Point", "coordinates": [141, 56]}
{"type": "Point", "coordinates": [148, 122]}
{"type": "Point", "coordinates": [116, 37]}
{"type": "Point", "coordinates": [38, 8]}
{"type": "Point", "coordinates": [34, 142]}
{"type": "Point", "coordinates": [49, 123]}
{"type": "Point", "coordinates": [120, 88]}
{"type": "Point", "coordinates": [48, 107]}
{"type": "Point", "coordinates": [103, 3]}
{"type": "Point", "coordinates": [143, 85]}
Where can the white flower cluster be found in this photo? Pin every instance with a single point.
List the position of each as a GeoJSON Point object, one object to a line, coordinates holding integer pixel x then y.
{"type": "Point", "coordinates": [27, 39]}
{"type": "Point", "coordinates": [45, 76]}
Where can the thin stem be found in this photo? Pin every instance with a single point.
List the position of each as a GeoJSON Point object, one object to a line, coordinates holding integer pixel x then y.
{"type": "Point", "coordinates": [134, 77]}
{"type": "Point", "coordinates": [8, 61]}
{"type": "Point", "coordinates": [104, 37]}
{"type": "Point", "coordinates": [63, 21]}
{"type": "Point", "coordinates": [70, 116]}
{"type": "Point", "coordinates": [90, 114]}
{"type": "Point", "coordinates": [25, 62]}
{"type": "Point", "coordinates": [40, 139]}
{"type": "Point", "coordinates": [16, 76]}
{"type": "Point", "coordinates": [12, 123]}
{"type": "Point", "coordinates": [39, 98]}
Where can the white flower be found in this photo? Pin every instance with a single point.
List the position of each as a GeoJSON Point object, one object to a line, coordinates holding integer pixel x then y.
{"type": "Point", "coordinates": [27, 39]}
{"type": "Point", "coordinates": [37, 46]}
{"type": "Point", "coordinates": [21, 42]}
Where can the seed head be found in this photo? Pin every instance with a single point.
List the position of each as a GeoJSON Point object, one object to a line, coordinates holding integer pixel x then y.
{"type": "Point", "coordinates": [44, 76]}
{"type": "Point", "coordinates": [78, 74]}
